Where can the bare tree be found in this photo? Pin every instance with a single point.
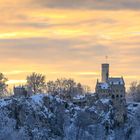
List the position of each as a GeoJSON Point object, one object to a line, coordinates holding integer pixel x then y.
{"type": "Point", "coordinates": [87, 89]}
{"type": "Point", "coordinates": [3, 85]}
{"type": "Point", "coordinates": [51, 87]}
{"type": "Point", "coordinates": [65, 87]}
{"type": "Point", "coordinates": [134, 91]}
{"type": "Point", "coordinates": [80, 89]}
{"type": "Point", "coordinates": [36, 82]}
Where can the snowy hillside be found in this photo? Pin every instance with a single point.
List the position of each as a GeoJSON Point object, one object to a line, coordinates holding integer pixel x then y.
{"type": "Point", "coordinates": [44, 117]}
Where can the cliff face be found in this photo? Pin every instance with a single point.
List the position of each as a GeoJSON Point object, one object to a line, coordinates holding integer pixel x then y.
{"type": "Point", "coordinates": [44, 117]}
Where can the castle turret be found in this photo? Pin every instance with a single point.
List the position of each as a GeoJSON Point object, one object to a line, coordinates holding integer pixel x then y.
{"type": "Point", "coordinates": [105, 72]}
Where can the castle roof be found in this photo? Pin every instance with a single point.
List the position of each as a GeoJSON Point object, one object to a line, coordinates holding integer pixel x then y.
{"type": "Point", "coordinates": [116, 81]}
{"type": "Point", "coordinates": [110, 81]}
{"type": "Point", "coordinates": [103, 85]}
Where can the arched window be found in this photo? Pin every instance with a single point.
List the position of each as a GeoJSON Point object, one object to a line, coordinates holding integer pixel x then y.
{"type": "Point", "coordinates": [117, 95]}
{"type": "Point", "coordinates": [113, 96]}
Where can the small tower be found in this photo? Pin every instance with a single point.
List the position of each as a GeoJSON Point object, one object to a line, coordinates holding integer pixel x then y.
{"type": "Point", "coordinates": [105, 72]}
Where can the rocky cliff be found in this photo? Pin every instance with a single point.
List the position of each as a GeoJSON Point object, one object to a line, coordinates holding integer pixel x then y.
{"type": "Point", "coordinates": [45, 117]}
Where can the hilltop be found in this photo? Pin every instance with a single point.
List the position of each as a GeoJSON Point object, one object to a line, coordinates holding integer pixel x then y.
{"type": "Point", "coordinates": [47, 117]}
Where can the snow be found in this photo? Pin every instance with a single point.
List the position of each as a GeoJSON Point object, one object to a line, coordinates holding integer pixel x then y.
{"type": "Point", "coordinates": [77, 108]}
{"type": "Point", "coordinates": [104, 86]}
{"type": "Point", "coordinates": [107, 116]}
{"type": "Point", "coordinates": [58, 100]}
{"type": "Point", "coordinates": [78, 97]}
{"type": "Point", "coordinates": [105, 101]}
{"type": "Point", "coordinates": [37, 98]}
{"type": "Point", "coordinates": [116, 81]}
{"type": "Point", "coordinates": [133, 106]}
{"type": "Point", "coordinates": [67, 111]}
{"type": "Point", "coordinates": [4, 103]}
{"type": "Point", "coordinates": [47, 118]}
{"type": "Point", "coordinates": [92, 108]}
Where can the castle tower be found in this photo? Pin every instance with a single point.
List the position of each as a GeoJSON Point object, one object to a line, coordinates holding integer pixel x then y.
{"type": "Point", "coordinates": [105, 72]}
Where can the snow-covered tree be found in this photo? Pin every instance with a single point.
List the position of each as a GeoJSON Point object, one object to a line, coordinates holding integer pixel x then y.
{"type": "Point", "coordinates": [36, 82]}
{"type": "Point", "coordinates": [134, 91]}
{"type": "Point", "coordinates": [3, 85]}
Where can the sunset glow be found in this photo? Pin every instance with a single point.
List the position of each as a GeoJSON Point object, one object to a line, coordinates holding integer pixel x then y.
{"type": "Point", "coordinates": [71, 40]}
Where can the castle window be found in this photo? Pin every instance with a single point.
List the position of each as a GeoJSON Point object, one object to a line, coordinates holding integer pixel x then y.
{"type": "Point", "coordinates": [113, 96]}
{"type": "Point", "coordinates": [117, 95]}
{"type": "Point", "coordinates": [121, 96]}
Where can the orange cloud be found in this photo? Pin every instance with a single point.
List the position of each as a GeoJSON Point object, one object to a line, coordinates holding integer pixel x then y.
{"type": "Point", "coordinates": [68, 42]}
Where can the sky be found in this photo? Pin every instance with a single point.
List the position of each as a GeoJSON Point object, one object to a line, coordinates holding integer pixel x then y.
{"type": "Point", "coordinates": [69, 38]}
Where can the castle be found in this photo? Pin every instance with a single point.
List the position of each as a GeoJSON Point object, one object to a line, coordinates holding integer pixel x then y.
{"type": "Point", "coordinates": [114, 89]}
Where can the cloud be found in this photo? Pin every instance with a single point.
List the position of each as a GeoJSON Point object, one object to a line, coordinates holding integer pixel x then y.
{"type": "Point", "coordinates": [73, 4]}
{"type": "Point", "coordinates": [38, 49]}
{"type": "Point", "coordinates": [69, 38]}
{"type": "Point", "coordinates": [89, 4]}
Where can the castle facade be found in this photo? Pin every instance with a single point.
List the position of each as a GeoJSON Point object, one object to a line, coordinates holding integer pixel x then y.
{"type": "Point", "coordinates": [114, 89]}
